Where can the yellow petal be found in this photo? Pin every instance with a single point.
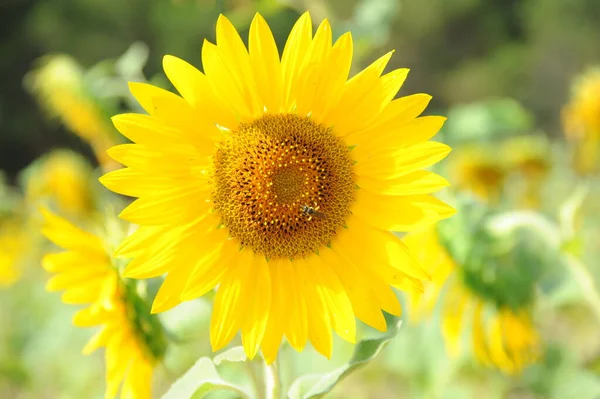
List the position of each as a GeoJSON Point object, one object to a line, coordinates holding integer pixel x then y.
{"type": "Point", "coordinates": [60, 262]}
{"type": "Point", "coordinates": [227, 84]}
{"type": "Point", "coordinates": [86, 292]}
{"type": "Point", "coordinates": [227, 316]}
{"type": "Point", "coordinates": [257, 289]}
{"type": "Point", "coordinates": [266, 67]}
{"type": "Point", "coordinates": [97, 341]}
{"type": "Point", "coordinates": [278, 314]}
{"type": "Point", "coordinates": [168, 296]}
{"type": "Point", "coordinates": [380, 251]}
{"type": "Point", "coordinates": [194, 86]}
{"type": "Point", "coordinates": [397, 113]}
{"type": "Point", "coordinates": [73, 278]}
{"type": "Point", "coordinates": [146, 94]}
{"type": "Point", "coordinates": [361, 297]}
{"type": "Point", "coordinates": [330, 87]}
{"type": "Point", "coordinates": [319, 322]}
{"type": "Point", "coordinates": [333, 296]}
{"type": "Point", "coordinates": [176, 247]}
{"type": "Point", "coordinates": [184, 129]}
{"type": "Point", "coordinates": [138, 382]}
{"type": "Point", "coordinates": [133, 183]}
{"type": "Point", "coordinates": [452, 318]}
{"type": "Point", "coordinates": [419, 182]}
{"type": "Point", "coordinates": [399, 213]}
{"type": "Point", "coordinates": [392, 162]}
{"type": "Point", "coordinates": [313, 70]}
{"type": "Point", "coordinates": [236, 60]}
{"type": "Point", "coordinates": [210, 269]}
{"type": "Point", "coordinates": [66, 235]}
{"type": "Point", "coordinates": [395, 137]}
{"type": "Point", "coordinates": [192, 202]}
{"type": "Point", "coordinates": [292, 58]}
{"type": "Point", "coordinates": [479, 336]}
{"type": "Point", "coordinates": [296, 323]}
{"type": "Point", "coordinates": [166, 161]}
{"type": "Point", "coordinates": [382, 294]}
{"type": "Point", "coordinates": [496, 348]}
{"type": "Point", "coordinates": [117, 364]}
{"type": "Point", "coordinates": [345, 115]}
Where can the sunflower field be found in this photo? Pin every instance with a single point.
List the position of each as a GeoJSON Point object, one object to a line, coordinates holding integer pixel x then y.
{"type": "Point", "coordinates": [300, 199]}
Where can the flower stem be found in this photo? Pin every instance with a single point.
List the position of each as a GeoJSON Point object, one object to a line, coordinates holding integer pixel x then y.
{"type": "Point", "coordinates": [586, 282]}
{"type": "Point", "coordinates": [272, 382]}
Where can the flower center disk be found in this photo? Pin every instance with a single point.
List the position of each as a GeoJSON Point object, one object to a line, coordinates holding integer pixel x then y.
{"type": "Point", "coordinates": [283, 185]}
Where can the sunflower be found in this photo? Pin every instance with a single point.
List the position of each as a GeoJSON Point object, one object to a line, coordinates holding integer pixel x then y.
{"type": "Point", "coordinates": [531, 157]}
{"type": "Point", "coordinates": [59, 85]}
{"type": "Point", "coordinates": [132, 339]}
{"type": "Point", "coordinates": [14, 243]}
{"type": "Point", "coordinates": [62, 178]}
{"type": "Point", "coordinates": [581, 121]}
{"type": "Point", "coordinates": [503, 335]}
{"type": "Point", "coordinates": [481, 170]}
{"type": "Point", "coordinates": [278, 180]}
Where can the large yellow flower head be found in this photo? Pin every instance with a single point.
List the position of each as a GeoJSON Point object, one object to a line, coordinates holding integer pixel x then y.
{"type": "Point", "coordinates": [581, 120]}
{"type": "Point", "coordinates": [502, 335]}
{"type": "Point", "coordinates": [133, 339]}
{"type": "Point", "coordinates": [278, 180]}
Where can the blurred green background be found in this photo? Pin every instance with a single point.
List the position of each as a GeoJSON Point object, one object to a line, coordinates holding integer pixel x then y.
{"type": "Point", "coordinates": [499, 69]}
{"type": "Point", "coordinates": [459, 51]}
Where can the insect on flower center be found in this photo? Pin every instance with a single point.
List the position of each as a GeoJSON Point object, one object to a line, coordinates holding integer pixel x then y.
{"type": "Point", "coordinates": [283, 185]}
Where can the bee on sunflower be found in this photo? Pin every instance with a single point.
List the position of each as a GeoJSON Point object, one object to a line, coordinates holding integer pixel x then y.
{"type": "Point", "coordinates": [133, 339]}
{"type": "Point", "coordinates": [231, 176]}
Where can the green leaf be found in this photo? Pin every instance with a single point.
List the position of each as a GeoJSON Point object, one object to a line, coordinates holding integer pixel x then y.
{"type": "Point", "coordinates": [235, 354]}
{"type": "Point", "coordinates": [201, 379]}
{"type": "Point", "coordinates": [314, 386]}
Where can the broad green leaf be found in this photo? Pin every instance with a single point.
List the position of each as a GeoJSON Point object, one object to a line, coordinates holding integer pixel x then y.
{"type": "Point", "coordinates": [201, 379]}
{"type": "Point", "coordinates": [314, 386]}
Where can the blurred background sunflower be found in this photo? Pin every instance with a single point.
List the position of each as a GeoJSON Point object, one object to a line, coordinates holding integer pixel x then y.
{"type": "Point", "coordinates": [513, 308]}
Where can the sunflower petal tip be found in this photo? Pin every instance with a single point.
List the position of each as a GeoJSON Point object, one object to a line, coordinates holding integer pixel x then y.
{"type": "Point", "coordinates": [156, 308]}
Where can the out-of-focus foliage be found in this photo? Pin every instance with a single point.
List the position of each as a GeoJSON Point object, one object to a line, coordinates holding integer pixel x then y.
{"type": "Point", "coordinates": [523, 125]}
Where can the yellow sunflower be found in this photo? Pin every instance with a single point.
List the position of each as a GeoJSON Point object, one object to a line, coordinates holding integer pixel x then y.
{"type": "Point", "coordinates": [63, 178]}
{"type": "Point", "coordinates": [481, 170]}
{"type": "Point", "coordinates": [531, 157]}
{"type": "Point", "coordinates": [133, 339]}
{"type": "Point", "coordinates": [502, 337]}
{"type": "Point", "coordinates": [14, 244]}
{"type": "Point", "coordinates": [581, 121]}
{"type": "Point", "coordinates": [58, 84]}
{"type": "Point", "coordinates": [279, 180]}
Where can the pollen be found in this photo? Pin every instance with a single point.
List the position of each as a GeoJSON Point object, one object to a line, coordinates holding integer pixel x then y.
{"type": "Point", "coordinates": [269, 172]}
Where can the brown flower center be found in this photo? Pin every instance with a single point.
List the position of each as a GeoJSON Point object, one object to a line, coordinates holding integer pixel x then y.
{"type": "Point", "coordinates": [283, 185]}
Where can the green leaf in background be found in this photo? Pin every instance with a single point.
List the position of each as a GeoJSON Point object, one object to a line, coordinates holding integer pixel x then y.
{"type": "Point", "coordinates": [487, 119]}
{"type": "Point", "coordinates": [314, 386]}
{"type": "Point", "coordinates": [235, 354]}
{"type": "Point", "coordinates": [200, 380]}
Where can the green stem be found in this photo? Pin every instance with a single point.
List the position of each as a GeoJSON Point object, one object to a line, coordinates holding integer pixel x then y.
{"type": "Point", "coordinates": [585, 281]}
{"type": "Point", "coordinates": [272, 382]}
{"type": "Point", "coordinates": [259, 387]}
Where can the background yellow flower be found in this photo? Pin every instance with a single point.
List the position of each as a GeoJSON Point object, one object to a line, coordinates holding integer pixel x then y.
{"type": "Point", "coordinates": [87, 276]}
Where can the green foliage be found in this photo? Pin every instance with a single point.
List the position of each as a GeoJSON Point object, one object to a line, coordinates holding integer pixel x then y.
{"type": "Point", "coordinates": [315, 386]}
{"type": "Point", "coordinates": [200, 380]}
